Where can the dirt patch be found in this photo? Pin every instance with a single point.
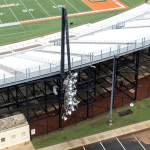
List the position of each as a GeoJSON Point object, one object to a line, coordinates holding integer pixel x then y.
{"type": "Point", "coordinates": [125, 112]}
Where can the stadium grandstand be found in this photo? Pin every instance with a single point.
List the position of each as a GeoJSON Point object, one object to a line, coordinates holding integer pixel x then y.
{"type": "Point", "coordinates": [30, 70]}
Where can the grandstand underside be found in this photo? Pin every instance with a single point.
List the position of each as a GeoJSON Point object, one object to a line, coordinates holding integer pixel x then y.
{"type": "Point", "coordinates": [43, 109]}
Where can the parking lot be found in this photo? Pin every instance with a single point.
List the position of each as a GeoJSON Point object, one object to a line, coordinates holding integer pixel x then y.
{"type": "Point", "coordinates": [136, 141]}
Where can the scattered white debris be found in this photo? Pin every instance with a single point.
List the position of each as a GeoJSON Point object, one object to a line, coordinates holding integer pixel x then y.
{"type": "Point", "coordinates": [131, 104]}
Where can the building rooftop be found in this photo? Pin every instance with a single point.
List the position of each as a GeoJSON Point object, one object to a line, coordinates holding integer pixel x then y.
{"type": "Point", "coordinates": [9, 122]}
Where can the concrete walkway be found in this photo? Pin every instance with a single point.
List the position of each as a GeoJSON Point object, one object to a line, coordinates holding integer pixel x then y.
{"type": "Point", "coordinates": [23, 146]}
{"type": "Point", "coordinates": [100, 136]}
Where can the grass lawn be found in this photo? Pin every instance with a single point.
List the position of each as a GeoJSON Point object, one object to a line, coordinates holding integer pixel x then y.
{"type": "Point", "coordinates": [23, 32]}
{"type": "Point", "coordinates": [141, 112]}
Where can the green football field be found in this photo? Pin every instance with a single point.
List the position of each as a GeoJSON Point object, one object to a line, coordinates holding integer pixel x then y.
{"type": "Point", "coordinates": [17, 10]}
{"type": "Point", "coordinates": [12, 11]}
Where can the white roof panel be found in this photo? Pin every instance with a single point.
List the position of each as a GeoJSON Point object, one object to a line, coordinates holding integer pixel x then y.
{"type": "Point", "coordinates": [92, 42]}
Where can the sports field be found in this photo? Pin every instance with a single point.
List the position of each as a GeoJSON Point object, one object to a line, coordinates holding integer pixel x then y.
{"type": "Point", "coordinates": [18, 10]}
{"type": "Point", "coordinates": [25, 19]}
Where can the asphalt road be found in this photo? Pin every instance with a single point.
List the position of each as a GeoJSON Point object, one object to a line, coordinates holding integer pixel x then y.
{"type": "Point", "coordinates": [137, 141]}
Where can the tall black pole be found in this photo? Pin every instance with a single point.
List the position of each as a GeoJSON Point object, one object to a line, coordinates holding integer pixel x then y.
{"type": "Point", "coordinates": [62, 42]}
{"type": "Point", "coordinates": [67, 42]}
{"type": "Point", "coordinates": [62, 64]}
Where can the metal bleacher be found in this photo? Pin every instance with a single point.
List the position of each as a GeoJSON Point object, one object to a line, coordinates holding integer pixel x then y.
{"type": "Point", "coordinates": [118, 35]}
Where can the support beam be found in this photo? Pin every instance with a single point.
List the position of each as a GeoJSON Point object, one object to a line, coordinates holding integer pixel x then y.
{"type": "Point", "coordinates": [27, 103]}
{"type": "Point", "coordinates": [45, 97]}
{"type": "Point", "coordinates": [88, 88]}
{"type": "Point", "coordinates": [33, 85]}
{"type": "Point", "coordinates": [136, 72]}
{"type": "Point", "coordinates": [149, 51]}
{"type": "Point", "coordinates": [17, 99]}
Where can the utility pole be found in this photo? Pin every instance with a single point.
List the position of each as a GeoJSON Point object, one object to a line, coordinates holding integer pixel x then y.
{"type": "Point", "coordinates": [110, 122]}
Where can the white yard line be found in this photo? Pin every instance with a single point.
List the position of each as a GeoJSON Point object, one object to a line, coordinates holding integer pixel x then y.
{"type": "Point", "coordinates": [15, 16]}
{"type": "Point", "coordinates": [12, 12]}
{"type": "Point", "coordinates": [27, 8]}
{"type": "Point", "coordinates": [42, 8]}
{"type": "Point", "coordinates": [84, 148]}
{"type": "Point", "coordinates": [102, 145]}
{"type": "Point", "coordinates": [122, 6]}
{"type": "Point", "coordinates": [72, 6]}
{"type": "Point", "coordinates": [121, 144]}
{"type": "Point", "coordinates": [55, 4]}
{"type": "Point", "coordinates": [140, 143]}
{"type": "Point", "coordinates": [29, 13]}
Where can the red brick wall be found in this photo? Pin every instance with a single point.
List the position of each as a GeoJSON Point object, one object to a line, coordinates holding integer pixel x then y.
{"type": "Point", "coordinates": [95, 108]}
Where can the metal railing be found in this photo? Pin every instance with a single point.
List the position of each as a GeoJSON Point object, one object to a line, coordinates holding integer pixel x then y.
{"type": "Point", "coordinates": [85, 60]}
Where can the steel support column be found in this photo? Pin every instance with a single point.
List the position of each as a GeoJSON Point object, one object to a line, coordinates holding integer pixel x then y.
{"type": "Point", "coordinates": [149, 51]}
{"type": "Point", "coordinates": [113, 90]}
{"type": "Point", "coordinates": [88, 84]}
{"type": "Point", "coordinates": [45, 97]}
{"type": "Point", "coordinates": [136, 72]}
{"type": "Point", "coordinates": [17, 89]}
{"type": "Point", "coordinates": [27, 103]}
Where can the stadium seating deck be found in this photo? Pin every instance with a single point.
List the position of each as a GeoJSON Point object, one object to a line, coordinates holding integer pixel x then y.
{"type": "Point", "coordinates": [122, 34]}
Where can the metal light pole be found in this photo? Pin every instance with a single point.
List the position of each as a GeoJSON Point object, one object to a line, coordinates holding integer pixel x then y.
{"type": "Point", "coordinates": [62, 67]}
{"type": "Point", "coordinates": [110, 122]}
{"type": "Point", "coordinates": [67, 89]}
{"type": "Point", "coordinates": [67, 42]}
